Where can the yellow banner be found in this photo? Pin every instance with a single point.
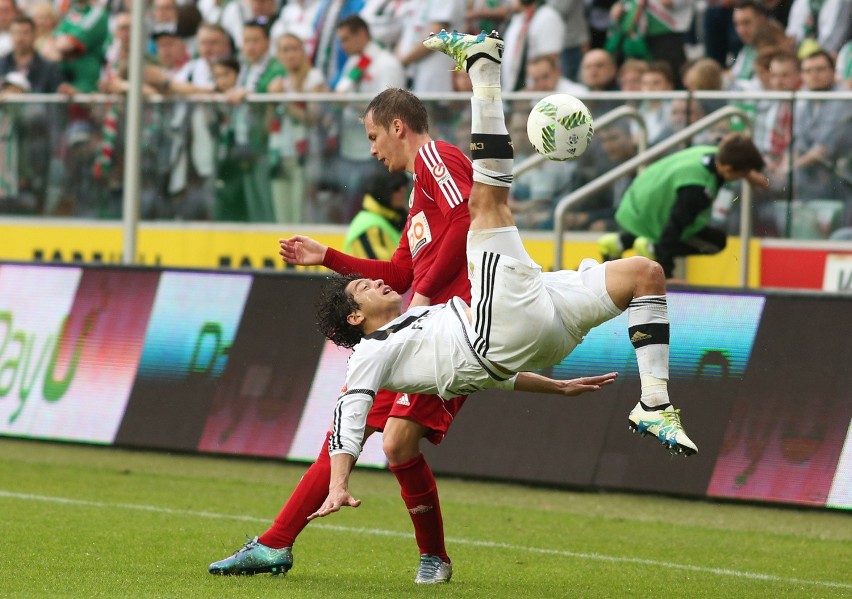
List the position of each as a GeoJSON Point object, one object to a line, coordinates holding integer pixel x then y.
{"type": "Point", "coordinates": [256, 247]}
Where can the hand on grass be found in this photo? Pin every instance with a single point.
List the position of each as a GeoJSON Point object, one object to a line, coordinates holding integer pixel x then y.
{"type": "Point", "coordinates": [337, 498]}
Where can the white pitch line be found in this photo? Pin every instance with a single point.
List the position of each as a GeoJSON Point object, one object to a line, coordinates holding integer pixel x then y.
{"type": "Point", "coordinates": [471, 542]}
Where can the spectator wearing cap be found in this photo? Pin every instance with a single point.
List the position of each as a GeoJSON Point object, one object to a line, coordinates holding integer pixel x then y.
{"type": "Point", "coordinates": [369, 69]}
{"type": "Point", "coordinates": [167, 17]}
{"type": "Point", "coordinates": [170, 50]}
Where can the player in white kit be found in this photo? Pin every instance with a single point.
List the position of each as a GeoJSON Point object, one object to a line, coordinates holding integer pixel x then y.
{"type": "Point", "coordinates": [520, 319]}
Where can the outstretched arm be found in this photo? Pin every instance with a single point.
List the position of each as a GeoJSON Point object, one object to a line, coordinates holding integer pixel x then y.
{"type": "Point", "coordinates": [528, 381]}
{"type": "Point", "coordinates": [338, 488]}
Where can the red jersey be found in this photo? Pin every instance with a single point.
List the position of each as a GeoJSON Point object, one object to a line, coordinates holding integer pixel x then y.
{"type": "Point", "coordinates": [431, 257]}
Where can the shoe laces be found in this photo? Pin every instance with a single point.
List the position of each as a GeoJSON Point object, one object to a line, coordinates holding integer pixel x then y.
{"type": "Point", "coordinates": [672, 417]}
{"type": "Point", "coordinates": [429, 566]}
{"type": "Point", "coordinates": [249, 545]}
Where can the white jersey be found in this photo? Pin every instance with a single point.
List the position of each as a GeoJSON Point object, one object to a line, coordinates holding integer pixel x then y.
{"type": "Point", "coordinates": [521, 320]}
{"type": "Point", "coordinates": [426, 350]}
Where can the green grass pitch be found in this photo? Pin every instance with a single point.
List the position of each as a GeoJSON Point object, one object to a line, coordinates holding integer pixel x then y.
{"type": "Point", "coordinates": [81, 521]}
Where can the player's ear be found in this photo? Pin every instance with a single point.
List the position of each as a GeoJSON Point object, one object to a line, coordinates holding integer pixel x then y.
{"type": "Point", "coordinates": [356, 318]}
{"type": "Point", "coordinates": [397, 127]}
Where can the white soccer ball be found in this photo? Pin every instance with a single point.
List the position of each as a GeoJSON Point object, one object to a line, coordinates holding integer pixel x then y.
{"type": "Point", "coordinates": [560, 127]}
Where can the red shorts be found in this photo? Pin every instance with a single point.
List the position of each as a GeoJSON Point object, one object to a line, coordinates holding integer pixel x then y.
{"type": "Point", "coordinates": [428, 410]}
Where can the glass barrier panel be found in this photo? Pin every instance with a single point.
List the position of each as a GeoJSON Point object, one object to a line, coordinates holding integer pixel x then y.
{"type": "Point", "coordinates": [306, 160]}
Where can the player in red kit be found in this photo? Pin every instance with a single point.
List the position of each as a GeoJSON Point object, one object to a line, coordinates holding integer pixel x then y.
{"type": "Point", "coordinates": [431, 261]}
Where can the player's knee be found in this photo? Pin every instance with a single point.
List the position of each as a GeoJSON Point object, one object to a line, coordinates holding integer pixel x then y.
{"type": "Point", "coordinates": [399, 450]}
{"type": "Point", "coordinates": [647, 270]}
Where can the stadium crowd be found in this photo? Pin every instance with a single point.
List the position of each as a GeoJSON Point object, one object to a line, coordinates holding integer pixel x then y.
{"type": "Point", "coordinates": [208, 153]}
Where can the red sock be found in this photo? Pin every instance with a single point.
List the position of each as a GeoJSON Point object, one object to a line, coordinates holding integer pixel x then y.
{"type": "Point", "coordinates": [306, 498]}
{"type": "Point", "coordinates": [420, 494]}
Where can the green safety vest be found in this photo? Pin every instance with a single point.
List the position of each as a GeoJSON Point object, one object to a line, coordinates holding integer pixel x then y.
{"type": "Point", "coordinates": [648, 202]}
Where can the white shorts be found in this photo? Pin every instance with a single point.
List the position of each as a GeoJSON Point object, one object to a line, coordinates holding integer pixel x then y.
{"type": "Point", "coordinates": [524, 319]}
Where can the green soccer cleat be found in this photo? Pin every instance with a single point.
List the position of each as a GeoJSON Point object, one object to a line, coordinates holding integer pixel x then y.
{"type": "Point", "coordinates": [663, 424]}
{"type": "Point", "coordinates": [465, 49]}
{"type": "Point", "coordinates": [433, 570]}
{"type": "Point", "coordinates": [610, 247]}
{"type": "Point", "coordinates": [254, 558]}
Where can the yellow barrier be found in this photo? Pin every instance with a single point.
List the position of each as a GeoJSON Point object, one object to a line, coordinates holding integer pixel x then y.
{"type": "Point", "coordinates": [256, 246]}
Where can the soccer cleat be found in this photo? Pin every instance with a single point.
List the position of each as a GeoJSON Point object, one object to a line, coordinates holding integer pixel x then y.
{"type": "Point", "coordinates": [433, 570]}
{"type": "Point", "coordinates": [663, 424]}
{"type": "Point", "coordinates": [254, 558]}
{"type": "Point", "coordinates": [644, 247]}
{"type": "Point", "coordinates": [610, 246]}
{"type": "Point", "coordinates": [465, 48]}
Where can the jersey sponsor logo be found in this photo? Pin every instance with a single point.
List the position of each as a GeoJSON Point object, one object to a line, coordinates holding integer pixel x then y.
{"type": "Point", "coordinates": [419, 234]}
{"type": "Point", "coordinates": [403, 400]}
{"type": "Point", "coordinates": [411, 199]}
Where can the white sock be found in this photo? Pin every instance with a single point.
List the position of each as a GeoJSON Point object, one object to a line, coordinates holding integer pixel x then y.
{"type": "Point", "coordinates": [648, 327]}
{"type": "Point", "coordinates": [485, 78]}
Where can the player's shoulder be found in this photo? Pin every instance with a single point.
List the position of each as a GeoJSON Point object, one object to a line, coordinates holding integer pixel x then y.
{"type": "Point", "coordinates": [439, 160]}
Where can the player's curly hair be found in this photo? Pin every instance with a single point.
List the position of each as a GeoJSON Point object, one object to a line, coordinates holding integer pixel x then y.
{"type": "Point", "coordinates": [334, 307]}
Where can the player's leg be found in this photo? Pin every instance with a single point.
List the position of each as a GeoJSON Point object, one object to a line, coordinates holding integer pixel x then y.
{"type": "Point", "coordinates": [401, 444]}
{"type": "Point", "coordinates": [272, 551]}
{"type": "Point", "coordinates": [491, 147]}
{"type": "Point", "coordinates": [639, 285]}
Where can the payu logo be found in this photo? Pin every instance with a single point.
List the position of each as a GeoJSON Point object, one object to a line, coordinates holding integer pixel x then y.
{"type": "Point", "coordinates": [26, 357]}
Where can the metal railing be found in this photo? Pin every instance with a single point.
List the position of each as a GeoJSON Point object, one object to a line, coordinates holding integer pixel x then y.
{"type": "Point", "coordinates": [643, 158]}
{"type": "Point", "coordinates": [622, 112]}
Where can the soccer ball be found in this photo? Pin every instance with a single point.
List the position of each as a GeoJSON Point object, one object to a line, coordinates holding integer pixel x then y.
{"type": "Point", "coordinates": [560, 127]}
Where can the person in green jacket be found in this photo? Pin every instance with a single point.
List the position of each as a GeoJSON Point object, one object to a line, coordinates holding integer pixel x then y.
{"type": "Point", "coordinates": [375, 231]}
{"type": "Point", "coordinates": [666, 211]}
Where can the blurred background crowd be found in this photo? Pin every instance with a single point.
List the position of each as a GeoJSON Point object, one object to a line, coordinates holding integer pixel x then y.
{"type": "Point", "coordinates": [213, 148]}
